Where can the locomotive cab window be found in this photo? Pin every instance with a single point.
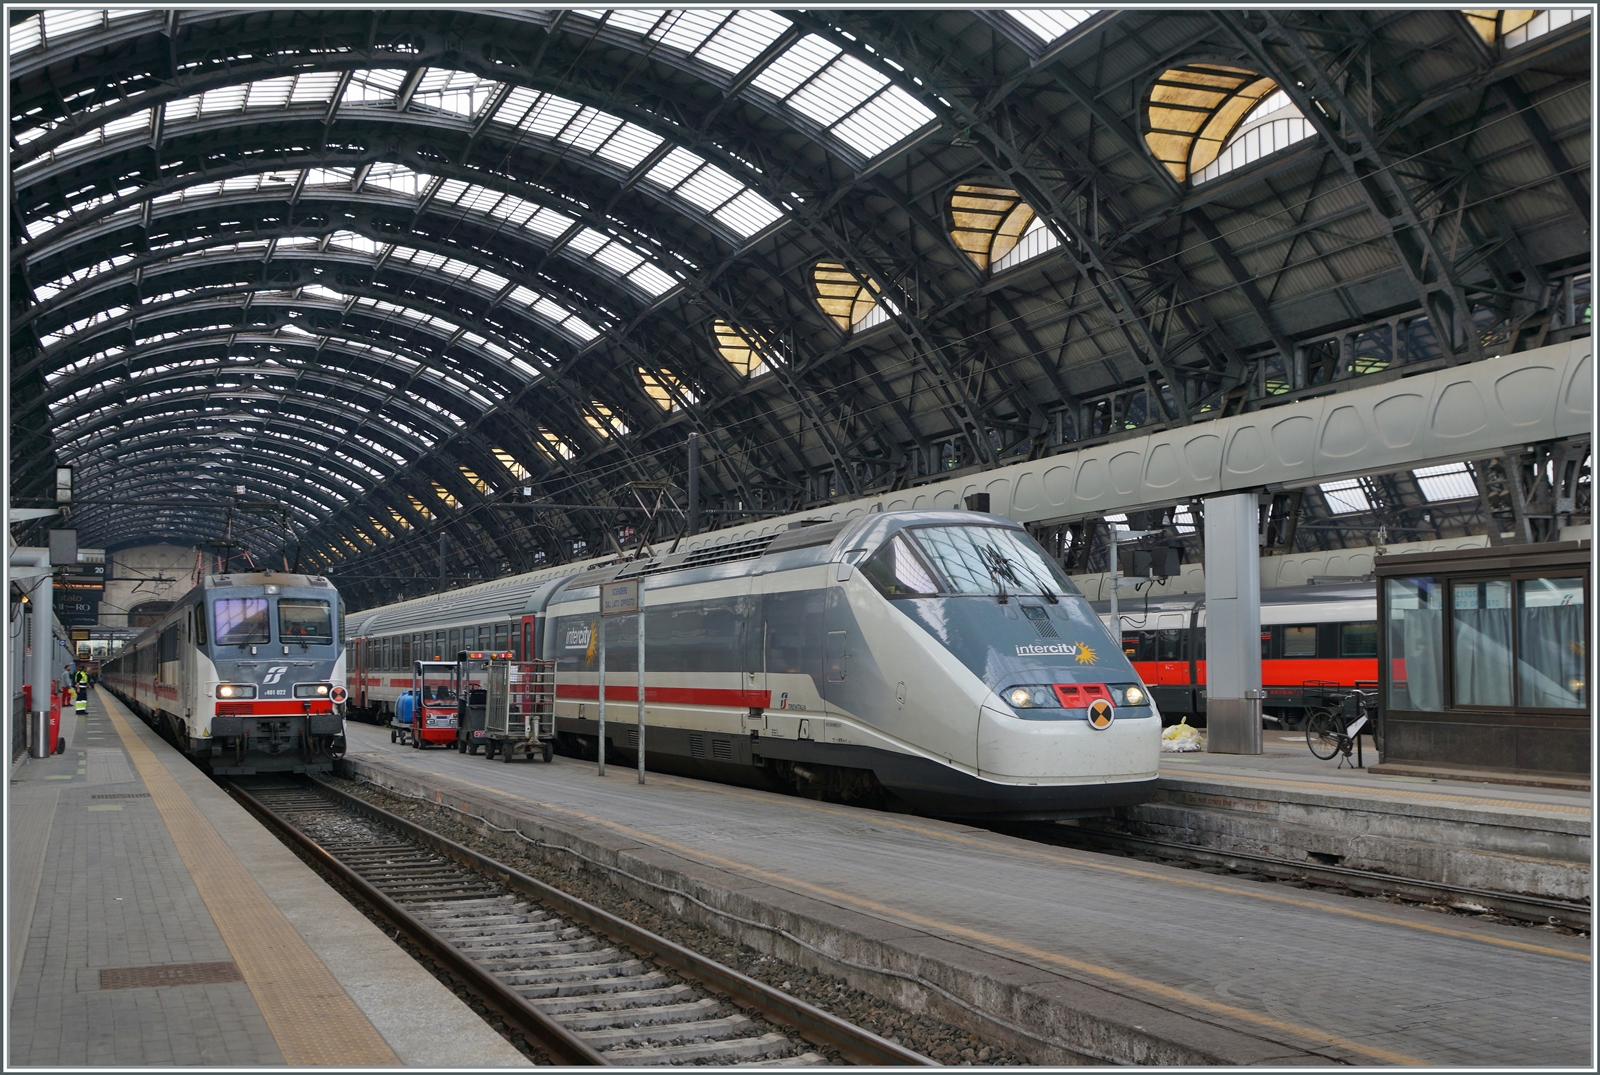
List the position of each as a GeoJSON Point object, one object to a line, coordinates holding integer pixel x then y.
{"type": "Point", "coordinates": [241, 621]}
{"type": "Point", "coordinates": [898, 571]}
{"type": "Point", "coordinates": [304, 620]}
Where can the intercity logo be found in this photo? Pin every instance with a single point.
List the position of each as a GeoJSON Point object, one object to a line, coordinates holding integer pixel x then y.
{"type": "Point", "coordinates": [578, 637]}
{"type": "Point", "coordinates": [1082, 652]}
{"type": "Point", "coordinates": [274, 674]}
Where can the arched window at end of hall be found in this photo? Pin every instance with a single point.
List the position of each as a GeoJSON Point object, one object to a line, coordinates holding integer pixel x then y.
{"type": "Point", "coordinates": [995, 227]}
{"type": "Point", "coordinates": [740, 348]}
{"type": "Point", "coordinates": [665, 390]}
{"type": "Point", "coordinates": [841, 296]}
{"type": "Point", "coordinates": [1203, 120]}
{"type": "Point", "coordinates": [1510, 27]}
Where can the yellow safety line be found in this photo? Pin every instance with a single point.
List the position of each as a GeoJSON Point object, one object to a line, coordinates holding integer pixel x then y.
{"type": "Point", "coordinates": [312, 1018]}
{"type": "Point", "coordinates": [1393, 793]}
{"type": "Point", "coordinates": [1166, 992]}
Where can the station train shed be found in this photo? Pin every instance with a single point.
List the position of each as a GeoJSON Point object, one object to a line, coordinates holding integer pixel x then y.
{"type": "Point", "coordinates": [434, 308]}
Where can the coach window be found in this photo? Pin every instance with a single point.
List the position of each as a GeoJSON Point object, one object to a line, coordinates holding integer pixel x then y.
{"type": "Point", "coordinates": [1169, 644]}
{"type": "Point", "coordinates": [455, 644]}
{"type": "Point", "coordinates": [502, 637]}
{"type": "Point", "coordinates": [241, 621]}
{"type": "Point", "coordinates": [1300, 641]}
{"type": "Point", "coordinates": [1358, 640]}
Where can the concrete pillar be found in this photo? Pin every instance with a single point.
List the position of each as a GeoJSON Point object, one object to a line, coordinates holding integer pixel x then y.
{"type": "Point", "coordinates": [1233, 625]}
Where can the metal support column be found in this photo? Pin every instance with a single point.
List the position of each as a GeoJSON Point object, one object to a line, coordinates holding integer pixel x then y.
{"type": "Point", "coordinates": [694, 484]}
{"type": "Point", "coordinates": [41, 595]}
{"type": "Point", "coordinates": [1233, 625]}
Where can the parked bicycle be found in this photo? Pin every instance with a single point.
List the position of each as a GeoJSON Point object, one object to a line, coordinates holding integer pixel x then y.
{"type": "Point", "coordinates": [1335, 727]}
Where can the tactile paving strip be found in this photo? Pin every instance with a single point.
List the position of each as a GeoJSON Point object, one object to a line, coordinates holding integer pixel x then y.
{"type": "Point", "coordinates": [312, 1018]}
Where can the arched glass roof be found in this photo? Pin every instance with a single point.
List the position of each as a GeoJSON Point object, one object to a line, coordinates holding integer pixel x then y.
{"type": "Point", "coordinates": [448, 255]}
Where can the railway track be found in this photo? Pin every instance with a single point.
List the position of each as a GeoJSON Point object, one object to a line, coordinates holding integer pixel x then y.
{"type": "Point", "coordinates": [1532, 909]}
{"type": "Point", "coordinates": [583, 985]}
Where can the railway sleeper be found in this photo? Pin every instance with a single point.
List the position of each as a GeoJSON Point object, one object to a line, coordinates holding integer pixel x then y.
{"type": "Point", "coordinates": [766, 1045]}
{"type": "Point", "coordinates": [635, 1018]}
{"type": "Point", "coordinates": [566, 981]}
{"type": "Point", "coordinates": [729, 1026]}
{"type": "Point", "coordinates": [628, 999]}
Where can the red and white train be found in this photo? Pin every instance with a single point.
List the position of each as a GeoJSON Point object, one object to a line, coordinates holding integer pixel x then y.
{"type": "Point", "coordinates": [1314, 639]}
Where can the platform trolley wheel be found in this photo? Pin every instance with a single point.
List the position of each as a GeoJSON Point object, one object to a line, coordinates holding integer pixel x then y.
{"type": "Point", "coordinates": [394, 735]}
{"type": "Point", "coordinates": [1322, 733]}
{"type": "Point", "coordinates": [505, 753]}
{"type": "Point", "coordinates": [488, 750]}
{"type": "Point", "coordinates": [416, 741]}
{"type": "Point", "coordinates": [461, 746]}
{"type": "Point", "coordinates": [472, 748]}
{"type": "Point", "coordinates": [549, 752]}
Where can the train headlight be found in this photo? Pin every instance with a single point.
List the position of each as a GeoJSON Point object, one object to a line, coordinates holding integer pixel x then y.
{"type": "Point", "coordinates": [236, 690]}
{"type": "Point", "coordinates": [312, 690]}
{"type": "Point", "coordinates": [1032, 697]}
{"type": "Point", "coordinates": [1129, 694]}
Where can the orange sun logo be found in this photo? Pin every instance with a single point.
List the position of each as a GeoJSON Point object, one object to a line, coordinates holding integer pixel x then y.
{"type": "Point", "coordinates": [1085, 653]}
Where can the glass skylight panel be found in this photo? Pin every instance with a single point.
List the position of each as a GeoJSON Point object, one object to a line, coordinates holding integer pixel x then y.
{"type": "Point", "coordinates": [741, 39]}
{"type": "Point", "coordinates": [618, 258]}
{"type": "Point", "coordinates": [460, 92]}
{"type": "Point", "coordinates": [822, 83]}
{"type": "Point", "coordinates": [589, 129]}
{"type": "Point", "coordinates": [24, 35]}
{"type": "Point", "coordinates": [398, 178]}
{"type": "Point", "coordinates": [377, 86]}
{"type": "Point", "coordinates": [630, 19]}
{"type": "Point", "coordinates": [349, 240]}
{"type": "Point", "coordinates": [1345, 497]}
{"type": "Point", "coordinates": [628, 145]}
{"type": "Point", "coordinates": [651, 280]}
{"type": "Point", "coordinates": [587, 241]}
{"type": "Point", "coordinates": [796, 64]}
{"type": "Point", "coordinates": [1047, 24]}
{"type": "Point", "coordinates": [748, 214]}
{"type": "Point", "coordinates": [1453, 481]}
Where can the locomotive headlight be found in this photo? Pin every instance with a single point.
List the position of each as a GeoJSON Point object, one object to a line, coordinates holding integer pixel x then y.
{"type": "Point", "coordinates": [1032, 696]}
{"type": "Point", "coordinates": [311, 690]}
{"type": "Point", "coordinates": [1133, 696]}
{"type": "Point", "coordinates": [236, 690]}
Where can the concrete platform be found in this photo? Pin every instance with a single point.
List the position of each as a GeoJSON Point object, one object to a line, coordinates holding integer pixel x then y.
{"type": "Point", "coordinates": [152, 921]}
{"type": "Point", "coordinates": [1064, 955]}
{"type": "Point", "coordinates": [1287, 804]}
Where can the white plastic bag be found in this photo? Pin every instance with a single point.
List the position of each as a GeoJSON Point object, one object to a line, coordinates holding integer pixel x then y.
{"type": "Point", "coordinates": [1180, 738]}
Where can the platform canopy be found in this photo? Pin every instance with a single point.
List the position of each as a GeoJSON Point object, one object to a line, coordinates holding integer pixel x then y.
{"type": "Point", "coordinates": [401, 273]}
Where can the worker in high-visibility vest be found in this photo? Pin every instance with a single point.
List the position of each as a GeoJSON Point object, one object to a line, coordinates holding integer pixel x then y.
{"type": "Point", "coordinates": [80, 701]}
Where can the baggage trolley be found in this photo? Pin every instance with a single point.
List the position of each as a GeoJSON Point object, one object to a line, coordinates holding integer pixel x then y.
{"type": "Point", "coordinates": [520, 709]}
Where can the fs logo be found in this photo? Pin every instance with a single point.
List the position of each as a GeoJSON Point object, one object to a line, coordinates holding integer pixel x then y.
{"type": "Point", "coordinates": [274, 674]}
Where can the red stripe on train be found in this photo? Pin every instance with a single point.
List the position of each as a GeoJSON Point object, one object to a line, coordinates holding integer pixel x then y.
{"type": "Point", "coordinates": [731, 698]}
{"type": "Point", "coordinates": [1345, 671]}
{"type": "Point", "coordinates": [272, 709]}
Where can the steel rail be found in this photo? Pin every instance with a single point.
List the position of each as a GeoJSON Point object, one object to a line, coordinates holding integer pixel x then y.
{"type": "Point", "coordinates": [564, 1047]}
{"type": "Point", "coordinates": [815, 1025]}
{"type": "Point", "coordinates": [1526, 908]}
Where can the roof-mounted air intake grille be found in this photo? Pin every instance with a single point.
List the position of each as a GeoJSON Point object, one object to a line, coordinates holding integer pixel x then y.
{"type": "Point", "coordinates": [748, 549]}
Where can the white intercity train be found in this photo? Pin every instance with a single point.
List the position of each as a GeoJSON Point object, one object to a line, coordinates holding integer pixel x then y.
{"type": "Point", "coordinates": [245, 673]}
{"type": "Point", "coordinates": [937, 658]}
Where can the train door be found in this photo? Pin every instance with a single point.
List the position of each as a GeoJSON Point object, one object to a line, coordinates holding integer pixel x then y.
{"type": "Point", "coordinates": [526, 651]}
{"type": "Point", "coordinates": [358, 669]}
